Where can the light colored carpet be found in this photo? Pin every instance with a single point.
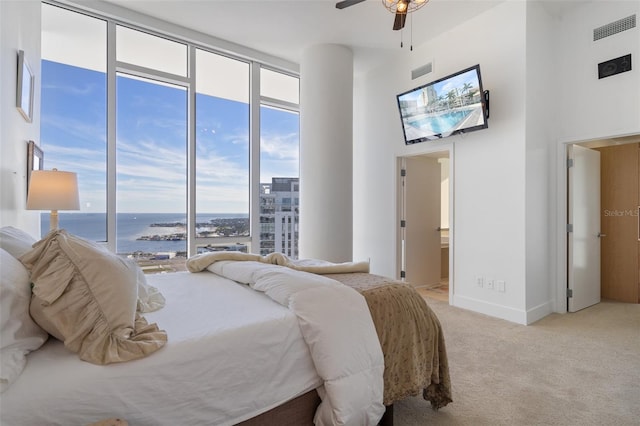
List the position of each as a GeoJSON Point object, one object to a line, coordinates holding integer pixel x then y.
{"type": "Point", "coordinates": [567, 369]}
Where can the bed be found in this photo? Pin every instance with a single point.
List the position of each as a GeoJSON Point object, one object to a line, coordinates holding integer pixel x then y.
{"type": "Point", "coordinates": [248, 343]}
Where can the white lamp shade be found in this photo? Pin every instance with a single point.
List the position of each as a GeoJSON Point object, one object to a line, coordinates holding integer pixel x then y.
{"type": "Point", "coordinates": [53, 190]}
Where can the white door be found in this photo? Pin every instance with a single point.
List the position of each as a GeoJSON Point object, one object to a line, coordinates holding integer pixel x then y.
{"type": "Point", "coordinates": [422, 242]}
{"type": "Point", "coordinates": [584, 240]}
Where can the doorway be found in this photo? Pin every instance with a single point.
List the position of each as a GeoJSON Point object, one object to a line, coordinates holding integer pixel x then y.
{"type": "Point", "coordinates": [425, 231]}
{"type": "Point", "coordinates": [620, 188]}
{"type": "Point", "coordinates": [617, 237]}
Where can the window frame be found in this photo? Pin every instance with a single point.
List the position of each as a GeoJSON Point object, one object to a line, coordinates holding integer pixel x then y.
{"type": "Point", "coordinates": [255, 182]}
{"type": "Point", "coordinates": [193, 41]}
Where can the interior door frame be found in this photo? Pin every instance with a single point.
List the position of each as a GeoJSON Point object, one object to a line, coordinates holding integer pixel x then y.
{"type": "Point", "coordinates": [430, 150]}
{"type": "Point", "coordinates": [559, 292]}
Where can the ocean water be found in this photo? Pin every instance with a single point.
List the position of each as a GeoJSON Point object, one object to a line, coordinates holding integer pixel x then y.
{"type": "Point", "coordinates": [129, 227]}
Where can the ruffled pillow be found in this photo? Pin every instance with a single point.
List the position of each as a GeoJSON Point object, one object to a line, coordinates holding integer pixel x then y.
{"type": "Point", "coordinates": [87, 297]}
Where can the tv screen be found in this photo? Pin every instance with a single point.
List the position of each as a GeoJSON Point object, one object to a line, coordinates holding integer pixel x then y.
{"type": "Point", "coordinates": [448, 106]}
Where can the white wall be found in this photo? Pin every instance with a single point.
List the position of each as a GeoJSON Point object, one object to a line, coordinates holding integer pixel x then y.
{"type": "Point", "coordinates": [541, 124]}
{"type": "Point", "coordinates": [374, 168]}
{"type": "Point", "coordinates": [591, 108]}
{"type": "Point", "coordinates": [489, 165]}
{"type": "Point", "coordinates": [20, 30]}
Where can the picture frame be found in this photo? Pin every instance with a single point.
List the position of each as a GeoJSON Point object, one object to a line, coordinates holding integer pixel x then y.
{"type": "Point", "coordinates": [24, 89]}
{"type": "Point", "coordinates": [35, 160]}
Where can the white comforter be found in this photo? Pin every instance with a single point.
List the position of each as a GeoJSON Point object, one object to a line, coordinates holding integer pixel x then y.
{"type": "Point", "coordinates": [336, 324]}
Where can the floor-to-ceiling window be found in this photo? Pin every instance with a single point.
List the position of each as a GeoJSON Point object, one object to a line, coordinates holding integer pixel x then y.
{"type": "Point", "coordinates": [168, 149]}
{"type": "Point", "coordinates": [74, 112]}
{"type": "Point", "coordinates": [279, 163]}
{"type": "Point", "coordinates": [151, 166]}
{"type": "Point", "coordinates": [222, 152]}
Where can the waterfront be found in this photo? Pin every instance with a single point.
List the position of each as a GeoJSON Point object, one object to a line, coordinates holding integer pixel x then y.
{"type": "Point", "coordinates": [149, 232]}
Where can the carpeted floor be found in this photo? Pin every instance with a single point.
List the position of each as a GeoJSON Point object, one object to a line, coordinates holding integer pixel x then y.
{"type": "Point", "coordinates": [567, 369]}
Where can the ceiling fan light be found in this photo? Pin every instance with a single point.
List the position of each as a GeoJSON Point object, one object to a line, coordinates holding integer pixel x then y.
{"type": "Point", "coordinates": [403, 6]}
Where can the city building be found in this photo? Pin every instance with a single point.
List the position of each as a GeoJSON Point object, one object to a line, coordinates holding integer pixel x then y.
{"type": "Point", "coordinates": [279, 213]}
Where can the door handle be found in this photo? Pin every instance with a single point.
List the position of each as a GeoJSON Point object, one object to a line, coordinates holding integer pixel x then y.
{"type": "Point", "coordinates": [600, 235]}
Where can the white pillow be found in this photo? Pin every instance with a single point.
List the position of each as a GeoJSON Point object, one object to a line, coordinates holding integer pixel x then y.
{"type": "Point", "coordinates": [149, 298]}
{"type": "Point", "coordinates": [19, 334]}
{"type": "Point", "coordinates": [15, 241]}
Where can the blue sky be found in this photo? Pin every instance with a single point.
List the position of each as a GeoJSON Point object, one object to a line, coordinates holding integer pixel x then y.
{"type": "Point", "coordinates": [151, 143]}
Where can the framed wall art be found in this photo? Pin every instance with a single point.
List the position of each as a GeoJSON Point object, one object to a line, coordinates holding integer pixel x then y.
{"type": "Point", "coordinates": [35, 160]}
{"type": "Point", "coordinates": [24, 89]}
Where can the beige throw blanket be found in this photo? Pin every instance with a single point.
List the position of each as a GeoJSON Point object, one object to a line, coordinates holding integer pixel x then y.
{"type": "Point", "coordinates": [415, 355]}
{"type": "Point", "coordinates": [409, 332]}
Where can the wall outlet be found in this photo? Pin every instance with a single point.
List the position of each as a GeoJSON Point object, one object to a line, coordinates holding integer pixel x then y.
{"type": "Point", "coordinates": [500, 286]}
{"type": "Point", "coordinates": [480, 281]}
{"type": "Point", "coordinates": [490, 284]}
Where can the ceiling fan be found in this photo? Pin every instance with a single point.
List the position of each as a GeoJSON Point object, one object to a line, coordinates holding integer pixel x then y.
{"type": "Point", "coordinates": [400, 7]}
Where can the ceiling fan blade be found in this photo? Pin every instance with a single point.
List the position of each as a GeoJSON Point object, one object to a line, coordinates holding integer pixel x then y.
{"type": "Point", "coordinates": [398, 22]}
{"type": "Point", "coordinates": [347, 3]}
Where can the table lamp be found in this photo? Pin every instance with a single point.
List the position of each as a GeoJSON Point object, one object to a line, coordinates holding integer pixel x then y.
{"type": "Point", "coordinates": [53, 190]}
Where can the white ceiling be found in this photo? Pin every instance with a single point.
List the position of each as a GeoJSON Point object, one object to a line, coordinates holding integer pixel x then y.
{"type": "Point", "coordinates": [285, 28]}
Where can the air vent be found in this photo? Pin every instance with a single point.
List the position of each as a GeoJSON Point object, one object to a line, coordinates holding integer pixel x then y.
{"type": "Point", "coordinates": [614, 27]}
{"type": "Point", "coordinates": [420, 71]}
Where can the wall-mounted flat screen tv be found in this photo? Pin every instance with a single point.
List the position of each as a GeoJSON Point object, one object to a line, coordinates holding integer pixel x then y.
{"type": "Point", "coordinates": [448, 106]}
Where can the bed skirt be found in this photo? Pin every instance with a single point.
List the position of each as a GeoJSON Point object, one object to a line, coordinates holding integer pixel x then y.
{"type": "Point", "coordinates": [300, 412]}
{"type": "Point", "coordinates": [297, 412]}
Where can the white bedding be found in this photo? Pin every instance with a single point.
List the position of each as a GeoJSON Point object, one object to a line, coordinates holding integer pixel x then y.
{"type": "Point", "coordinates": [336, 324]}
{"type": "Point", "coordinates": [232, 353]}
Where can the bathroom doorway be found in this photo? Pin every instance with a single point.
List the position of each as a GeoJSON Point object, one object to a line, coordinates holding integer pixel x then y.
{"type": "Point", "coordinates": [425, 255]}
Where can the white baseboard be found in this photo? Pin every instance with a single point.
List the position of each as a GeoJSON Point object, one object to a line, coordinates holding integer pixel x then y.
{"type": "Point", "coordinates": [491, 309]}
{"type": "Point", "coordinates": [539, 312]}
{"type": "Point", "coordinates": [504, 312]}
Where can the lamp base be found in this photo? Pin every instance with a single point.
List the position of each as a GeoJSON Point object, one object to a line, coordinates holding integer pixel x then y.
{"type": "Point", "coordinates": [53, 220]}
